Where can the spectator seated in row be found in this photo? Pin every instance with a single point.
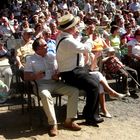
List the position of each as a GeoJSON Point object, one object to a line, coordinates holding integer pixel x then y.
{"type": "Point", "coordinates": [134, 52]}
{"type": "Point", "coordinates": [112, 65]}
{"type": "Point", "coordinates": [5, 69]}
{"type": "Point", "coordinates": [43, 69]}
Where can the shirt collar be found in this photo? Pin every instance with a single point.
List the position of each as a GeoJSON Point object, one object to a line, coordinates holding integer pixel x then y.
{"type": "Point", "coordinates": [39, 56]}
{"type": "Point", "coordinates": [67, 34]}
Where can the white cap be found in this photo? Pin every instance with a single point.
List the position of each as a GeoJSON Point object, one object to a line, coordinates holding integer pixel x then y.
{"type": "Point", "coordinates": [110, 49]}
{"type": "Point", "coordinates": [28, 30]}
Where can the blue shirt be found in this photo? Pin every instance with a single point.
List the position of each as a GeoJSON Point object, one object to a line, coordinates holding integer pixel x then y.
{"type": "Point", "coordinates": [51, 49]}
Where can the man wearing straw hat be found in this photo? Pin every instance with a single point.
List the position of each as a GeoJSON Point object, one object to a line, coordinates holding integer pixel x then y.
{"type": "Point", "coordinates": [71, 67]}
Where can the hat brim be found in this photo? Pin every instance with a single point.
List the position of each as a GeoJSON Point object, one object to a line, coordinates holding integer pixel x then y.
{"type": "Point", "coordinates": [110, 49]}
{"type": "Point", "coordinates": [76, 20]}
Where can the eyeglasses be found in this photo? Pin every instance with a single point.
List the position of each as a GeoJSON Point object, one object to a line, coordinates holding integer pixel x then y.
{"type": "Point", "coordinates": [43, 46]}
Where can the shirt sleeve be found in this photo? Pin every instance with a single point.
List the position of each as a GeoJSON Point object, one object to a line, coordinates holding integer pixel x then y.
{"type": "Point", "coordinates": [75, 46]}
{"type": "Point", "coordinates": [88, 45]}
{"type": "Point", "coordinates": [28, 65]}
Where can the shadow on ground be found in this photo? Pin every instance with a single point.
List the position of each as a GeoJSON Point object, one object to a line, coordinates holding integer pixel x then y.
{"type": "Point", "coordinates": [14, 124]}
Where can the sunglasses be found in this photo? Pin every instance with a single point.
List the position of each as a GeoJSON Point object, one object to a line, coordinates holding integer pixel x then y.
{"type": "Point", "coordinates": [44, 46]}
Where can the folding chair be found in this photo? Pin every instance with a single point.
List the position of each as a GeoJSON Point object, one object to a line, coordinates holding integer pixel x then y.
{"type": "Point", "coordinates": [31, 88]}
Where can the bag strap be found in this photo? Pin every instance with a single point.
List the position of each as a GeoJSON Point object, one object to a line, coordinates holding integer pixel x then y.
{"type": "Point", "coordinates": [77, 59]}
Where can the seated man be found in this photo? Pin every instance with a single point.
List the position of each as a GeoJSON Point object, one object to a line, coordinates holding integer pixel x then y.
{"type": "Point", "coordinates": [25, 47]}
{"type": "Point", "coordinates": [43, 69]}
{"type": "Point", "coordinates": [5, 69]}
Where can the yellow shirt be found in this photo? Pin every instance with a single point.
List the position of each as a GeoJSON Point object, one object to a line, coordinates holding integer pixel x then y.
{"type": "Point", "coordinates": [98, 45]}
{"type": "Point", "coordinates": [24, 50]}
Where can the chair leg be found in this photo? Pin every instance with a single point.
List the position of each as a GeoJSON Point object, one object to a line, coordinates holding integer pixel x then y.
{"type": "Point", "coordinates": [30, 110]}
{"type": "Point", "coordinates": [59, 100]}
{"type": "Point", "coordinates": [56, 101]}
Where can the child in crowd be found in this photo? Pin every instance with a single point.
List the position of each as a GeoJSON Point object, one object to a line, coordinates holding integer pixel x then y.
{"type": "Point", "coordinates": [112, 65]}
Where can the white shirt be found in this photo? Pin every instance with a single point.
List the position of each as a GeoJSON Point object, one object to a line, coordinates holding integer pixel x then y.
{"type": "Point", "coordinates": [135, 47]}
{"type": "Point", "coordinates": [6, 32]}
{"type": "Point", "coordinates": [36, 63]}
{"type": "Point", "coordinates": [88, 8]}
{"type": "Point", "coordinates": [134, 6]}
{"type": "Point", "coordinates": [67, 52]}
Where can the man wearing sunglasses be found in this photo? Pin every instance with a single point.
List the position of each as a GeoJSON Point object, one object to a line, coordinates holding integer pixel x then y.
{"type": "Point", "coordinates": [43, 69]}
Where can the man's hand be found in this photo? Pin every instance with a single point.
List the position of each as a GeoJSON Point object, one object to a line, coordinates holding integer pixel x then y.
{"type": "Point", "coordinates": [39, 75]}
{"type": "Point", "coordinates": [55, 76]}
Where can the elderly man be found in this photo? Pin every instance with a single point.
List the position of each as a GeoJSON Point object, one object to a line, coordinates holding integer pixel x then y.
{"type": "Point", "coordinates": [25, 47]}
{"type": "Point", "coordinates": [51, 44]}
{"type": "Point", "coordinates": [43, 69]}
{"type": "Point", "coordinates": [71, 67]}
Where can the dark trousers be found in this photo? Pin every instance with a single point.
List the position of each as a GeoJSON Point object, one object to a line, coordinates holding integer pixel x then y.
{"type": "Point", "coordinates": [135, 64]}
{"type": "Point", "coordinates": [125, 74]}
{"type": "Point", "coordinates": [80, 78]}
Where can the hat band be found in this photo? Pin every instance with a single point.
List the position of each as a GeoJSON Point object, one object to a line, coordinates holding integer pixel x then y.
{"type": "Point", "coordinates": [67, 24]}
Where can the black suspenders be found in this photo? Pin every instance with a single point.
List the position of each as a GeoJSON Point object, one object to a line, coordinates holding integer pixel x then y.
{"type": "Point", "coordinates": [58, 46]}
{"type": "Point", "coordinates": [60, 42]}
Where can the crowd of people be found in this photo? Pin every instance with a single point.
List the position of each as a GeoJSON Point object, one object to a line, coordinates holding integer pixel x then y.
{"type": "Point", "coordinates": [67, 41]}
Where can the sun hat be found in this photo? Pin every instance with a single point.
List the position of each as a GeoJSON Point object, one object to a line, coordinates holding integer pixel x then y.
{"type": "Point", "coordinates": [28, 30]}
{"type": "Point", "coordinates": [67, 21]}
{"type": "Point", "coordinates": [110, 49]}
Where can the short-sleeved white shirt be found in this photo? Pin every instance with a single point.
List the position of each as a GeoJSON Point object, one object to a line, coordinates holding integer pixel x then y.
{"type": "Point", "coordinates": [36, 63]}
{"type": "Point", "coordinates": [135, 47]}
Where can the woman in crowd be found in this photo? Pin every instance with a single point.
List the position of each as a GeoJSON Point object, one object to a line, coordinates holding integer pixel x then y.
{"type": "Point", "coordinates": [98, 46]}
{"type": "Point", "coordinates": [90, 60]}
{"type": "Point", "coordinates": [114, 39]}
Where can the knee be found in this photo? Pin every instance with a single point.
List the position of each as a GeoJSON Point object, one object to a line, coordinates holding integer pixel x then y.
{"type": "Point", "coordinates": [45, 94]}
{"type": "Point", "coordinates": [8, 73]}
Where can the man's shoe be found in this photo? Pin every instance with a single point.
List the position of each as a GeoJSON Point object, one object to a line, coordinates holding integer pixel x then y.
{"type": "Point", "coordinates": [94, 121]}
{"type": "Point", "coordinates": [53, 131]}
{"type": "Point", "coordinates": [98, 120]}
{"type": "Point", "coordinates": [72, 126]}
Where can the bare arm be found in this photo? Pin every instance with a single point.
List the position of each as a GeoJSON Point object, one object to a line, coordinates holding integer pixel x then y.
{"type": "Point", "coordinates": [19, 62]}
{"type": "Point", "coordinates": [105, 44]}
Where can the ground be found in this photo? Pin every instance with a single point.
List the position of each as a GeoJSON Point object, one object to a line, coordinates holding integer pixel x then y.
{"type": "Point", "coordinates": [124, 124]}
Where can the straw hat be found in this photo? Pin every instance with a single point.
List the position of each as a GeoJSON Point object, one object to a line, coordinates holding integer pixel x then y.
{"type": "Point", "coordinates": [110, 49]}
{"type": "Point", "coordinates": [28, 30]}
{"type": "Point", "coordinates": [67, 21]}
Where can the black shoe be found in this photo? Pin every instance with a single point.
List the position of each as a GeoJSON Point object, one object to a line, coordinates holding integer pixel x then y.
{"type": "Point", "coordinates": [98, 120]}
{"type": "Point", "coordinates": [94, 121]}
